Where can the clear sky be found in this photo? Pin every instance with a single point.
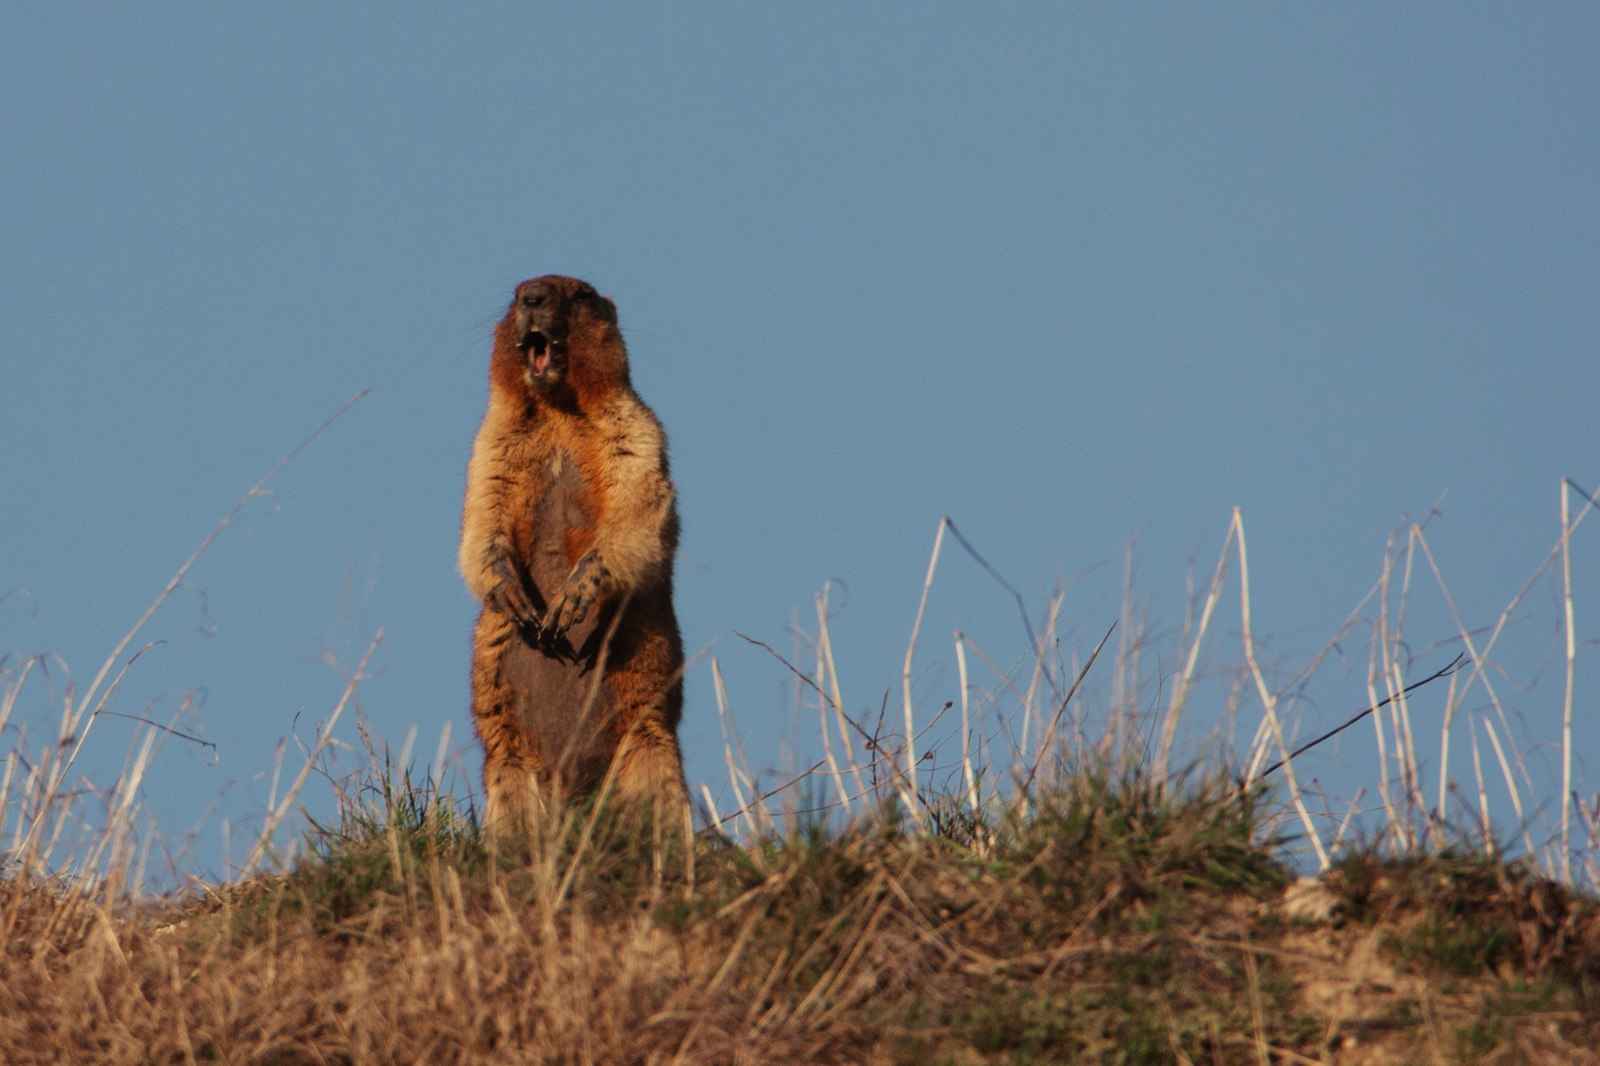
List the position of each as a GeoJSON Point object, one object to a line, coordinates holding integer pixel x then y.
{"type": "Point", "coordinates": [1074, 275]}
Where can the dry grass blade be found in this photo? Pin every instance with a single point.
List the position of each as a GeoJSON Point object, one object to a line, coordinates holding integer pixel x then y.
{"type": "Point", "coordinates": [909, 795]}
{"type": "Point", "coordinates": [324, 737]}
{"type": "Point", "coordinates": [1269, 703]}
{"type": "Point", "coordinates": [1570, 683]}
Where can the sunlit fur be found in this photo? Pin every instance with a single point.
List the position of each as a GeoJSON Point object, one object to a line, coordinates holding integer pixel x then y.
{"type": "Point", "coordinates": [560, 474]}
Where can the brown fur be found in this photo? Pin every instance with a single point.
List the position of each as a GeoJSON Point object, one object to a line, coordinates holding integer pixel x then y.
{"type": "Point", "coordinates": [567, 540]}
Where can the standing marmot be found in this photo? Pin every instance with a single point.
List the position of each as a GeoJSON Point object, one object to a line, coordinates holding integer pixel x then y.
{"type": "Point", "coordinates": [567, 540]}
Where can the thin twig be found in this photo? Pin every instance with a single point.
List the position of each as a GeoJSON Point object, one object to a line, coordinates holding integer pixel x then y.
{"type": "Point", "coordinates": [1050, 733]}
{"type": "Point", "coordinates": [770, 650]}
{"type": "Point", "coordinates": [1455, 664]}
{"type": "Point", "coordinates": [180, 734]}
{"type": "Point", "coordinates": [1022, 607]}
{"type": "Point", "coordinates": [793, 781]}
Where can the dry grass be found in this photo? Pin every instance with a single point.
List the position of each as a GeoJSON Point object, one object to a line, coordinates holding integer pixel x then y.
{"type": "Point", "coordinates": [1119, 922]}
{"type": "Point", "coordinates": [1020, 877]}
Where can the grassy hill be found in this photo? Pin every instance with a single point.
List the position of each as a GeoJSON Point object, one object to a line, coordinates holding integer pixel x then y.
{"type": "Point", "coordinates": [1106, 919]}
{"type": "Point", "coordinates": [1029, 882]}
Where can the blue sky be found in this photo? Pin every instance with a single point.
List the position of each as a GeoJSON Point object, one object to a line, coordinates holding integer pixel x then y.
{"type": "Point", "coordinates": [1073, 275]}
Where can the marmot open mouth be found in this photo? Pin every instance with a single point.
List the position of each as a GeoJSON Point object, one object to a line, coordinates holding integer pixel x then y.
{"type": "Point", "coordinates": [538, 348]}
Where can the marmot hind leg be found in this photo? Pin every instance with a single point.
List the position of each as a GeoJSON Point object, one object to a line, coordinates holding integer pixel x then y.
{"type": "Point", "coordinates": [649, 769]}
{"type": "Point", "coordinates": [647, 781]}
{"type": "Point", "coordinates": [514, 796]}
{"type": "Point", "coordinates": [516, 801]}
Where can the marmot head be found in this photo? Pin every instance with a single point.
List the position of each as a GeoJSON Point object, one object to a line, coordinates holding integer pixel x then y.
{"type": "Point", "coordinates": [559, 339]}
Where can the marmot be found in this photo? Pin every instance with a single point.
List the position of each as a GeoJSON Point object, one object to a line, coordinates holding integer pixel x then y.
{"type": "Point", "coordinates": [567, 540]}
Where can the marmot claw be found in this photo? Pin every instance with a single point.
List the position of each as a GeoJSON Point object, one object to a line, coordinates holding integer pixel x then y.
{"type": "Point", "coordinates": [509, 595]}
{"type": "Point", "coordinates": [578, 593]}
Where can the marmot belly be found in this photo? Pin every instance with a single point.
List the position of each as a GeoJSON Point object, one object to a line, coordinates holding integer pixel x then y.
{"type": "Point", "coordinates": [562, 698]}
{"type": "Point", "coordinates": [565, 703]}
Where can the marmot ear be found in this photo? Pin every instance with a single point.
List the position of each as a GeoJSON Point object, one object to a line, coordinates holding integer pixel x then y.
{"type": "Point", "coordinates": [610, 308]}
